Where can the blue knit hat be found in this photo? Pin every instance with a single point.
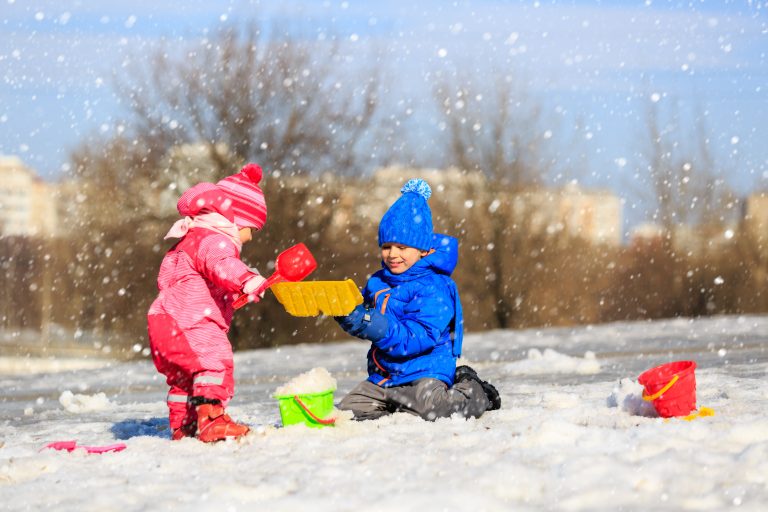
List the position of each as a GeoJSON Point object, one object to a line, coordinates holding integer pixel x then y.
{"type": "Point", "coordinates": [409, 220]}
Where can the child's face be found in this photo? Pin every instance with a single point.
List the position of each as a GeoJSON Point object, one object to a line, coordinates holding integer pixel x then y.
{"type": "Point", "coordinates": [399, 258]}
{"type": "Point", "coordinates": [245, 235]}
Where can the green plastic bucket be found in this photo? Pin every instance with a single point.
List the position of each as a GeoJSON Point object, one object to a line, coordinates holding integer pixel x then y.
{"type": "Point", "coordinates": [310, 409]}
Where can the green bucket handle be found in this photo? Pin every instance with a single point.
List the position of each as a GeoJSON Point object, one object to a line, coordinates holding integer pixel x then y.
{"type": "Point", "coordinates": [329, 421]}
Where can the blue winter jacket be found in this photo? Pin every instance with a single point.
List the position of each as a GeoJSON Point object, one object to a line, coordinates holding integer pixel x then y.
{"type": "Point", "coordinates": [425, 323]}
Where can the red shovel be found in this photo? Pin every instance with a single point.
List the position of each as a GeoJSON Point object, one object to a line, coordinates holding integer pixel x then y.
{"type": "Point", "coordinates": [293, 264]}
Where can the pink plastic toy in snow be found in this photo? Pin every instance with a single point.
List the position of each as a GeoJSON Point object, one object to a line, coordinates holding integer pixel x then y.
{"type": "Point", "coordinates": [72, 445]}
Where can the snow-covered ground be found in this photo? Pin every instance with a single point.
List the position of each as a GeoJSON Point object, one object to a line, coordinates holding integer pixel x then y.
{"type": "Point", "coordinates": [573, 432]}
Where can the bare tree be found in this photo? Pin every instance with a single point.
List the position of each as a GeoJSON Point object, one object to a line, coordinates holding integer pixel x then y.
{"type": "Point", "coordinates": [496, 129]}
{"type": "Point", "coordinates": [686, 185]}
{"type": "Point", "coordinates": [693, 205]}
{"type": "Point", "coordinates": [115, 182]}
{"type": "Point", "coordinates": [288, 103]}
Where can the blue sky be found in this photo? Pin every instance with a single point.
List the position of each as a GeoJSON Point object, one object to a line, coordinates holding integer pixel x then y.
{"type": "Point", "coordinates": [596, 61]}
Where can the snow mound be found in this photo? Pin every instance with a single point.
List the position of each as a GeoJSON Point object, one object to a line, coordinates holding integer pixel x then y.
{"type": "Point", "coordinates": [628, 395]}
{"type": "Point", "coordinates": [11, 365]}
{"type": "Point", "coordinates": [315, 380]}
{"type": "Point", "coordinates": [84, 403]}
{"type": "Point", "coordinates": [551, 361]}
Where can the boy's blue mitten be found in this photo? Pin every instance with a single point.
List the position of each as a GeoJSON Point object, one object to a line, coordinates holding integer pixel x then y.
{"type": "Point", "coordinates": [365, 323]}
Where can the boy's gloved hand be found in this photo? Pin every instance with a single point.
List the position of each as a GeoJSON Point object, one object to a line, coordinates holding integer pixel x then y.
{"type": "Point", "coordinates": [365, 323]}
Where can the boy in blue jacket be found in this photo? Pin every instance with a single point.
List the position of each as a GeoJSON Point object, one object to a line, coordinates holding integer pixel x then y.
{"type": "Point", "coordinates": [412, 315]}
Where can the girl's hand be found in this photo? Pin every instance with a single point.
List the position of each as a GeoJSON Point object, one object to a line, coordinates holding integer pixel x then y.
{"type": "Point", "coordinates": [253, 284]}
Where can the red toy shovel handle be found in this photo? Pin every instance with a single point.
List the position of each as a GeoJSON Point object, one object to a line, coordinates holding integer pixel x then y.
{"type": "Point", "coordinates": [293, 264]}
{"type": "Point", "coordinates": [243, 299]}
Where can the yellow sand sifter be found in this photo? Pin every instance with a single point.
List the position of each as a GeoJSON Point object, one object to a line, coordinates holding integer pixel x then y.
{"type": "Point", "coordinates": [314, 298]}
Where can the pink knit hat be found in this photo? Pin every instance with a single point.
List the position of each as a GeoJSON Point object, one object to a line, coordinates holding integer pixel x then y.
{"type": "Point", "coordinates": [205, 197]}
{"type": "Point", "coordinates": [248, 204]}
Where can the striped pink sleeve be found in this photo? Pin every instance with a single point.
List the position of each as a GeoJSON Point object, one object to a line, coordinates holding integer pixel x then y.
{"type": "Point", "coordinates": [222, 265]}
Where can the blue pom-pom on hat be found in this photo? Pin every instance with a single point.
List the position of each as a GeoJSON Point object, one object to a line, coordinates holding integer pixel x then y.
{"type": "Point", "coordinates": [409, 220]}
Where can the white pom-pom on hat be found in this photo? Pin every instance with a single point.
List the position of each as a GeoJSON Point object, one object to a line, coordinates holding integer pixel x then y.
{"type": "Point", "coordinates": [418, 186]}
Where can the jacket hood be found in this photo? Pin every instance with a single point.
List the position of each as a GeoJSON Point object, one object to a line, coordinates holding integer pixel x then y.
{"type": "Point", "coordinates": [446, 254]}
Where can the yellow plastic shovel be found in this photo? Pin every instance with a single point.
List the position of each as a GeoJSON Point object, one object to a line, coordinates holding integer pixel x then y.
{"type": "Point", "coordinates": [313, 298]}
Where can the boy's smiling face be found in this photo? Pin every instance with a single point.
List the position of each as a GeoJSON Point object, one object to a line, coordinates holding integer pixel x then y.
{"type": "Point", "coordinates": [399, 258]}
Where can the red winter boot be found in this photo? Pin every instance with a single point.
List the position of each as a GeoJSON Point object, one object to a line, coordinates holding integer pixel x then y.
{"type": "Point", "coordinates": [213, 424]}
{"type": "Point", "coordinates": [187, 430]}
{"type": "Point", "coordinates": [188, 426]}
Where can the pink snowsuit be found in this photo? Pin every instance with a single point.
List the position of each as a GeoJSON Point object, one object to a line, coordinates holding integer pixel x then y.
{"type": "Point", "coordinates": [188, 322]}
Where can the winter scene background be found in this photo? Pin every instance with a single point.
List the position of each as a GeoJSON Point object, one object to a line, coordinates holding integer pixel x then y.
{"type": "Point", "coordinates": [602, 164]}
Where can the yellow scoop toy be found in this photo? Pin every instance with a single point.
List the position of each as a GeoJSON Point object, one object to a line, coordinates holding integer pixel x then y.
{"type": "Point", "coordinates": [313, 298]}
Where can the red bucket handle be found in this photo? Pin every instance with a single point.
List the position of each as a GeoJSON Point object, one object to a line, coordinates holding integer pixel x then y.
{"type": "Point", "coordinates": [651, 398]}
{"type": "Point", "coordinates": [329, 421]}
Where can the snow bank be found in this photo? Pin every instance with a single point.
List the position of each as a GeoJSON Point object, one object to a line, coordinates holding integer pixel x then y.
{"type": "Point", "coordinates": [315, 380]}
{"type": "Point", "coordinates": [551, 361]}
{"type": "Point", "coordinates": [562, 440]}
{"type": "Point", "coordinates": [30, 365]}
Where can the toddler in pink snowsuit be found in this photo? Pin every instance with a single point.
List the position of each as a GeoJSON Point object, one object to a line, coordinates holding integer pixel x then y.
{"type": "Point", "coordinates": [199, 279]}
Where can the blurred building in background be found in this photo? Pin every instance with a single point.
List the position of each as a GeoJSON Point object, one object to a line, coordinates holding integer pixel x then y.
{"type": "Point", "coordinates": [756, 217]}
{"type": "Point", "coordinates": [28, 205]}
{"type": "Point", "coordinates": [457, 189]}
{"type": "Point", "coordinates": [684, 238]}
{"type": "Point", "coordinates": [31, 207]}
{"type": "Point", "coordinates": [592, 215]}
{"type": "Point", "coordinates": [647, 233]}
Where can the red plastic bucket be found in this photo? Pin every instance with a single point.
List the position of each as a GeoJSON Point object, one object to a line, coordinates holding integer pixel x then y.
{"type": "Point", "coordinates": [671, 388]}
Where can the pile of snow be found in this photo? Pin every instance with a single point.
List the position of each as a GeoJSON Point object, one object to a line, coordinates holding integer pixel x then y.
{"type": "Point", "coordinates": [628, 395]}
{"type": "Point", "coordinates": [551, 361]}
{"type": "Point", "coordinates": [79, 404]}
{"type": "Point", "coordinates": [316, 380]}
